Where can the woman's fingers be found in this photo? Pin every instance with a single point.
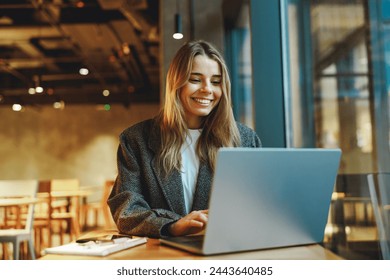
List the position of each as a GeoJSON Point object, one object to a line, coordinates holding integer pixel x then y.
{"type": "Point", "coordinates": [194, 222]}
{"type": "Point", "coordinates": [201, 216]}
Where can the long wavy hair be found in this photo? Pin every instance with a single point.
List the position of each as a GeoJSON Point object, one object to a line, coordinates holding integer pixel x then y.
{"type": "Point", "coordinates": [219, 128]}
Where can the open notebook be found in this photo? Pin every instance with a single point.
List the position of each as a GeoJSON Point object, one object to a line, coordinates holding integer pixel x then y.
{"type": "Point", "coordinates": [97, 248]}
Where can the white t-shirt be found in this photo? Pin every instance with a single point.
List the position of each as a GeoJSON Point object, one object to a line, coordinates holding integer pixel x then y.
{"type": "Point", "coordinates": [189, 167]}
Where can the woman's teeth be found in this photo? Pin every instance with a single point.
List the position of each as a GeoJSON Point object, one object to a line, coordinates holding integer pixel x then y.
{"type": "Point", "coordinates": [203, 101]}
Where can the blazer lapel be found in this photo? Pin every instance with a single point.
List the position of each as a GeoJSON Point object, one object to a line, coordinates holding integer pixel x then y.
{"type": "Point", "coordinates": [203, 186]}
{"type": "Point", "coordinates": [171, 186]}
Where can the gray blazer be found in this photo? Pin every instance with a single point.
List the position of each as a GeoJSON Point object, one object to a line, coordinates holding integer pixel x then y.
{"type": "Point", "coordinates": [142, 202]}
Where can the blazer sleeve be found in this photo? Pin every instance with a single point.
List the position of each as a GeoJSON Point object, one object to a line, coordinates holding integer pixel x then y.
{"type": "Point", "coordinates": [249, 137]}
{"type": "Point", "coordinates": [129, 207]}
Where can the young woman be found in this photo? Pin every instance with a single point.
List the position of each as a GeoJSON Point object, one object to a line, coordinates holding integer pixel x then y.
{"type": "Point", "coordinates": [166, 164]}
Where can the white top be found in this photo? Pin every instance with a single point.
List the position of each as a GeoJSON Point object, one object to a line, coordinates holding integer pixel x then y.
{"type": "Point", "coordinates": [189, 167]}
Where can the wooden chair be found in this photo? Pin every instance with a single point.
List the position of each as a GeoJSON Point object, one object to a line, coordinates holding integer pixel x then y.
{"type": "Point", "coordinates": [98, 207]}
{"type": "Point", "coordinates": [59, 211]}
{"type": "Point", "coordinates": [352, 229]}
{"type": "Point", "coordinates": [19, 189]}
{"type": "Point", "coordinates": [379, 185]}
{"type": "Point", "coordinates": [88, 208]}
{"type": "Point", "coordinates": [66, 207]}
{"type": "Point", "coordinates": [42, 221]}
{"type": "Point", "coordinates": [109, 222]}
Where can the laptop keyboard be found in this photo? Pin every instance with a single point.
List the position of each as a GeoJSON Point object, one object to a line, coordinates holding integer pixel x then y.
{"type": "Point", "coordinates": [195, 241]}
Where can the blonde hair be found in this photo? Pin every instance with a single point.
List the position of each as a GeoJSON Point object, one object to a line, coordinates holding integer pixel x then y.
{"type": "Point", "coordinates": [219, 128]}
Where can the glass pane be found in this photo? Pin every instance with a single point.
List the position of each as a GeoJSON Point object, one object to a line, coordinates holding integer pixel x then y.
{"type": "Point", "coordinates": [341, 82]}
{"type": "Point", "coordinates": [239, 60]}
{"type": "Point", "coordinates": [339, 89]}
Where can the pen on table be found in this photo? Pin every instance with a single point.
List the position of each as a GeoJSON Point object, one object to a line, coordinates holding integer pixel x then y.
{"type": "Point", "coordinates": [104, 238]}
{"type": "Point", "coordinates": [93, 243]}
{"type": "Point", "coordinates": [113, 241]}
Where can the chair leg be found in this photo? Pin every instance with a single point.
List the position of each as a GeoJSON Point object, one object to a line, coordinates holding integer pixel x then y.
{"type": "Point", "coordinates": [31, 249]}
{"type": "Point", "coordinates": [96, 217]}
{"type": "Point", "coordinates": [61, 234]}
{"type": "Point", "coordinates": [22, 250]}
{"type": "Point", "coordinates": [84, 217]}
{"type": "Point", "coordinates": [76, 227]}
{"type": "Point", "coordinates": [5, 251]}
{"type": "Point", "coordinates": [37, 240]}
{"type": "Point", "coordinates": [49, 235]}
{"type": "Point", "coordinates": [16, 249]}
{"type": "Point", "coordinates": [74, 230]}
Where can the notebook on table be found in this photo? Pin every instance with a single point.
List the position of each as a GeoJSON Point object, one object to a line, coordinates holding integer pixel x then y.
{"type": "Point", "coordinates": [266, 198]}
{"type": "Point", "coordinates": [98, 244]}
{"type": "Point", "coordinates": [95, 249]}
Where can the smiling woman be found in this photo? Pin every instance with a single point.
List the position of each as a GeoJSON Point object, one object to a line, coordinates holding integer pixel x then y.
{"type": "Point", "coordinates": [202, 92]}
{"type": "Point", "coordinates": [166, 164]}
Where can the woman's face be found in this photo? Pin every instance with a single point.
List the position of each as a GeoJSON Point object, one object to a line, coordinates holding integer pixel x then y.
{"type": "Point", "coordinates": [202, 92]}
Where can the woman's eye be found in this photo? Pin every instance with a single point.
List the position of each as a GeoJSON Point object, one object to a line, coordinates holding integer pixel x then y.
{"type": "Point", "coordinates": [194, 80]}
{"type": "Point", "coordinates": [216, 82]}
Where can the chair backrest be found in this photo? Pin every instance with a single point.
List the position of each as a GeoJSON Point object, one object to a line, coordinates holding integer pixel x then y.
{"type": "Point", "coordinates": [356, 194]}
{"type": "Point", "coordinates": [353, 185]}
{"type": "Point", "coordinates": [44, 186]}
{"type": "Point", "coordinates": [65, 184]}
{"type": "Point", "coordinates": [44, 192]}
{"type": "Point", "coordinates": [108, 220]}
{"type": "Point", "coordinates": [19, 189]}
{"type": "Point", "coordinates": [379, 185]}
{"type": "Point", "coordinates": [108, 185]}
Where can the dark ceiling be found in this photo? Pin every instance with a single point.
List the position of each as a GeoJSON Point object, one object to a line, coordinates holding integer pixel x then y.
{"type": "Point", "coordinates": [46, 42]}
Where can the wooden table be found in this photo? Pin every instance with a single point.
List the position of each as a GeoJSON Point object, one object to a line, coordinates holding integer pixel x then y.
{"type": "Point", "coordinates": [17, 202]}
{"type": "Point", "coordinates": [153, 250]}
{"type": "Point", "coordinates": [7, 202]}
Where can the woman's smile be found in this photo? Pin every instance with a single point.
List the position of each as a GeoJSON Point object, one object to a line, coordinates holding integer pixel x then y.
{"type": "Point", "coordinates": [202, 92]}
{"type": "Point", "coordinates": [202, 101]}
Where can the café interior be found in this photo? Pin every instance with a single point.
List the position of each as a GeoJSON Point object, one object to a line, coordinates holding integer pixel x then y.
{"type": "Point", "coordinates": [75, 73]}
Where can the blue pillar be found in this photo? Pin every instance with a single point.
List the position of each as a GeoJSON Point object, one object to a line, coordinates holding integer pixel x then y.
{"type": "Point", "coordinates": [268, 93]}
{"type": "Point", "coordinates": [379, 18]}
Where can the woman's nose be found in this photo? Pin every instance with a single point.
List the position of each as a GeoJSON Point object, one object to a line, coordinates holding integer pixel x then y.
{"type": "Point", "coordinates": [206, 87]}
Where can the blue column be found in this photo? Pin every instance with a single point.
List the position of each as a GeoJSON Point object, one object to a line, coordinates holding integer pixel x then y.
{"type": "Point", "coordinates": [268, 94]}
{"type": "Point", "coordinates": [379, 18]}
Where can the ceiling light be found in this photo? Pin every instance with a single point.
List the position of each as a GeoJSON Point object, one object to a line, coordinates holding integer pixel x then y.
{"type": "Point", "coordinates": [38, 89]}
{"type": "Point", "coordinates": [31, 90]}
{"type": "Point", "coordinates": [84, 71]}
{"type": "Point", "coordinates": [106, 92]}
{"type": "Point", "coordinates": [178, 28]}
{"type": "Point", "coordinates": [59, 104]}
{"type": "Point", "coordinates": [125, 48]}
{"type": "Point", "coordinates": [17, 107]}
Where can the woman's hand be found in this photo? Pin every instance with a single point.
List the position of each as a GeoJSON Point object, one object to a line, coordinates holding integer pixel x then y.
{"type": "Point", "coordinates": [194, 222]}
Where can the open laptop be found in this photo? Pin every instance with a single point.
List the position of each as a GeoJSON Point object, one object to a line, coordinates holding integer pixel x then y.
{"type": "Point", "coordinates": [266, 198]}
